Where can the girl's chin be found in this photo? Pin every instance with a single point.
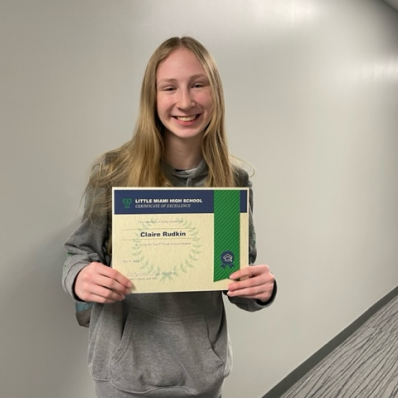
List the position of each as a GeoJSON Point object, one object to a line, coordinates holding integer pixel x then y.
{"type": "Point", "coordinates": [184, 134]}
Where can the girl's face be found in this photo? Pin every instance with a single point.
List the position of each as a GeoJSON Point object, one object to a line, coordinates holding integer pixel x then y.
{"type": "Point", "coordinates": [184, 98]}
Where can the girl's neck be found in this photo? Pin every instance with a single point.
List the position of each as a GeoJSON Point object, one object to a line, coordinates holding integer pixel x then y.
{"type": "Point", "coordinates": [182, 154]}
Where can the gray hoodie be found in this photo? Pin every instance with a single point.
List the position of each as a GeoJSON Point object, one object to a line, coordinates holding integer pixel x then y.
{"type": "Point", "coordinates": [156, 345]}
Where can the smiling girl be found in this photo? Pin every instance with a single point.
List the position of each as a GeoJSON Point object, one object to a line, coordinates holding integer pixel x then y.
{"type": "Point", "coordinates": [168, 344]}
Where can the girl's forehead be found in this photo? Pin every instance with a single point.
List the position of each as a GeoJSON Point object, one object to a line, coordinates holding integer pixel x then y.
{"type": "Point", "coordinates": [180, 63]}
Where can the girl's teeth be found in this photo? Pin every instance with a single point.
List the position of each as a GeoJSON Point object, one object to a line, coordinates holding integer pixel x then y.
{"type": "Point", "coordinates": [186, 118]}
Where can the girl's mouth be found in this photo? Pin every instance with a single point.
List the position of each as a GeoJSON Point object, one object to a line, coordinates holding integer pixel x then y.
{"type": "Point", "coordinates": [186, 118]}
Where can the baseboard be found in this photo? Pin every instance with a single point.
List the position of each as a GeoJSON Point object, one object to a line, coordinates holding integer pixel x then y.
{"type": "Point", "coordinates": [293, 377]}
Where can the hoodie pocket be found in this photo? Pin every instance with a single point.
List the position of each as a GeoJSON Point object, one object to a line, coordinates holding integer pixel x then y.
{"type": "Point", "coordinates": [158, 353]}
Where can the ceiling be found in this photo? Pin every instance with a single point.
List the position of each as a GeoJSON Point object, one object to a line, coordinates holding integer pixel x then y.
{"type": "Point", "coordinates": [392, 3]}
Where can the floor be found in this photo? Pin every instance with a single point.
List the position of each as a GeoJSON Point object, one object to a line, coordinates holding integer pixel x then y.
{"type": "Point", "coordinates": [364, 366]}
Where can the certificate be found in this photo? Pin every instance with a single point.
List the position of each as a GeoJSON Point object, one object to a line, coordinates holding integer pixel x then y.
{"type": "Point", "coordinates": [179, 239]}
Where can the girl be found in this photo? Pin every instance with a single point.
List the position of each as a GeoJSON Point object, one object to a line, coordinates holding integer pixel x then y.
{"type": "Point", "coordinates": [170, 344]}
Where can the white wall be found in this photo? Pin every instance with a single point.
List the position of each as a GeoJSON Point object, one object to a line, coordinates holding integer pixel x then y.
{"type": "Point", "coordinates": [311, 91]}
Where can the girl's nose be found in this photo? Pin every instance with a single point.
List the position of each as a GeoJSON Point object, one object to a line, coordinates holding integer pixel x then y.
{"type": "Point", "coordinates": [185, 100]}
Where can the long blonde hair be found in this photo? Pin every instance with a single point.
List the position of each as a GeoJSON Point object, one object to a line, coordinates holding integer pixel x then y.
{"type": "Point", "coordinates": [138, 163]}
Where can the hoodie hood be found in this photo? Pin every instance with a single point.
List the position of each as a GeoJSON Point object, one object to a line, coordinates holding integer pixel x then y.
{"type": "Point", "coordinates": [187, 178]}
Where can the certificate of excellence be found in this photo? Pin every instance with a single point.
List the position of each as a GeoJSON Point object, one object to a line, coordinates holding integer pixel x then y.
{"type": "Point", "coordinates": [179, 239]}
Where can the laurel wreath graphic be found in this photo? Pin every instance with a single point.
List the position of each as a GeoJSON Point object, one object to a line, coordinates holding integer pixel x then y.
{"type": "Point", "coordinates": [171, 273]}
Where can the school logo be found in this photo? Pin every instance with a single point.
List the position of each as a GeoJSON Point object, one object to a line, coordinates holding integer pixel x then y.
{"type": "Point", "coordinates": [227, 259]}
{"type": "Point", "coordinates": [127, 202]}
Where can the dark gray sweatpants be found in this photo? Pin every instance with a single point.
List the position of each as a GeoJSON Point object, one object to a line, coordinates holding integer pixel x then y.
{"type": "Point", "coordinates": [104, 389]}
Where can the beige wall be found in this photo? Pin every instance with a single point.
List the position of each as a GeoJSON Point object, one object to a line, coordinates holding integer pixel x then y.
{"type": "Point", "coordinates": [311, 90]}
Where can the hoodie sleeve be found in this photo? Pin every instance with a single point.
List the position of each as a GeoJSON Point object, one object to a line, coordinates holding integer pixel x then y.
{"type": "Point", "coordinates": [244, 303]}
{"type": "Point", "coordinates": [87, 244]}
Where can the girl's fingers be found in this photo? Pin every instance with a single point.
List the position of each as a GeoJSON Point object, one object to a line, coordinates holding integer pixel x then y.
{"type": "Point", "coordinates": [99, 283]}
{"type": "Point", "coordinates": [105, 296]}
{"type": "Point", "coordinates": [258, 283]}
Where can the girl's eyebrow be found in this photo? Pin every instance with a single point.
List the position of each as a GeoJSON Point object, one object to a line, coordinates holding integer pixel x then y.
{"type": "Point", "coordinates": [193, 77]}
{"type": "Point", "coordinates": [167, 80]}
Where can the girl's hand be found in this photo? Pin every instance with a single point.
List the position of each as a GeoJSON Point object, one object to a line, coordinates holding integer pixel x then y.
{"type": "Point", "coordinates": [101, 284]}
{"type": "Point", "coordinates": [259, 284]}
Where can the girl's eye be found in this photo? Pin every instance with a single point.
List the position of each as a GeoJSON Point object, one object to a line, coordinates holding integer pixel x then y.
{"type": "Point", "coordinates": [198, 85]}
{"type": "Point", "coordinates": [169, 88]}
